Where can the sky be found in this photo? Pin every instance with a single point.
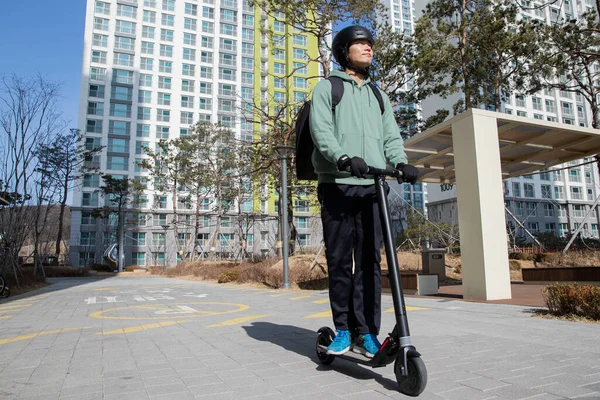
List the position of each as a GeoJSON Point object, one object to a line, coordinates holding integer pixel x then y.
{"type": "Point", "coordinates": [45, 37]}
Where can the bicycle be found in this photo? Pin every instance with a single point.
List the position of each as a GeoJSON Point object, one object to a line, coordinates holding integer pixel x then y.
{"type": "Point", "coordinates": [4, 292]}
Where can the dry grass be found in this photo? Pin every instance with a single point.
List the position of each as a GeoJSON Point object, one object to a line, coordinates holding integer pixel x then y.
{"type": "Point", "coordinates": [267, 273]}
{"type": "Point", "coordinates": [304, 273]}
{"type": "Point", "coordinates": [571, 259]}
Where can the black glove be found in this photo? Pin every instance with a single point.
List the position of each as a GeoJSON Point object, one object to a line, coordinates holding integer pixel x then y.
{"type": "Point", "coordinates": [355, 165]}
{"type": "Point", "coordinates": [409, 173]}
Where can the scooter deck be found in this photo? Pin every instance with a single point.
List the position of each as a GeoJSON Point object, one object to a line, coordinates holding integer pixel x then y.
{"type": "Point", "coordinates": [352, 356]}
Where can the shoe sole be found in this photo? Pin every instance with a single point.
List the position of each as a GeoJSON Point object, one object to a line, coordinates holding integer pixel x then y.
{"type": "Point", "coordinates": [360, 350]}
{"type": "Point", "coordinates": [339, 352]}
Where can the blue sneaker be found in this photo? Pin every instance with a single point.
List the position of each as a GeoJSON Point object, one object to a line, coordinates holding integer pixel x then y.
{"type": "Point", "coordinates": [366, 344]}
{"type": "Point", "coordinates": [341, 344]}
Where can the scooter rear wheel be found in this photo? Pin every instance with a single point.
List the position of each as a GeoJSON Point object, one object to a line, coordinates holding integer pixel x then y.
{"type": "Point", "coordinates": [414, 383]}
{"type": "Point", "coordinates": [324, 338]}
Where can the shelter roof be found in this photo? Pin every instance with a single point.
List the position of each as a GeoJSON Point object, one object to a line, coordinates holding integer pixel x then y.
{"type": "Point", "coordinates": [526, 145]}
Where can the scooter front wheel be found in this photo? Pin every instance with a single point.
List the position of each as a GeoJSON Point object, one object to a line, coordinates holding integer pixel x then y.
{"type": "Point", "coordinates": [414, 383]}
{"type": "Point", "coordinates": [324, 338]}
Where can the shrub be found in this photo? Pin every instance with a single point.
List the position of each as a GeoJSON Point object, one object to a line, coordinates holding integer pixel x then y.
{"type": "Point", "coordinates": [131, 268]}
{"type": "Point", "coordinates": [101, 268]}
{"type": "Point", "coordinates": [573, 300]}
{"type": "Point", "coordinates": [517, 256]}
{"type": "Point", "coordinates": [514, 265]}
{"type": "Point", "coordinates": [229, 276]}
{"type": "Point", "coordinates": [65, 271]}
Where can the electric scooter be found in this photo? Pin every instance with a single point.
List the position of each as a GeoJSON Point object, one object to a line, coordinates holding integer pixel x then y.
{"type": "Point", "coordinates": [409, 368]}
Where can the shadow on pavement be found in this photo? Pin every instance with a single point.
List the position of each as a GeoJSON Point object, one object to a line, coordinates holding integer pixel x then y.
{"type": "Point", "coordinates": [56, 284]}
{"type": "Point", "coordinates": [303, 341]}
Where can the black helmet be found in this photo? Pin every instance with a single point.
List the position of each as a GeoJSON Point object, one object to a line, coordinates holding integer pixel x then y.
{"type": "Point", "coordinates": [342, 41]}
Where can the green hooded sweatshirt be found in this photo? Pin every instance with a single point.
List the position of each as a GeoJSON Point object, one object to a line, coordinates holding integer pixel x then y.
{"type": "Point", "coordinates": [356, 128]}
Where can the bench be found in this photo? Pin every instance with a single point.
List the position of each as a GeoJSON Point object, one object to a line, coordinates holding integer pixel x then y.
{"type": "Point", "coordinates": [412, 283]}
{"type": "Point", "coordinates": [590, 275]}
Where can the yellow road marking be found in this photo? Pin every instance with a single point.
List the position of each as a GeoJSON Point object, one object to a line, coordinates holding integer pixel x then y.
{"type": "Point", "coordinates": [322, 301]}
{"type": "Point", "coordinates": [3, 308]}
{"type": "Point", "coordinates": [5, 316]}
{"type": "Point", "coordinates": [133, 329]}
{"type": "Point", "coordinates": [36, 334]}
{"type": "Point", "coordinates": [106, 288]}
{"type": "Point", "coordinates": [408, 308]}
{"type": "Point", "coordinates": [389, 310]}
{"type": "Point", "coordinates": [100, 314]}
{"type": "Point", "coordinates": [300, 297]}
{"type": "Point", "coordinates": [320, 315]}
{"type": "Point", "coordinates": [236, 321]}
{"type": "Point", "coordinates": [277, 295]}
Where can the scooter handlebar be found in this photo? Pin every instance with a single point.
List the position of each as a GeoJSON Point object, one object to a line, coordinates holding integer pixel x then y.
{"type": "Point", "coordinates": [393, 173]}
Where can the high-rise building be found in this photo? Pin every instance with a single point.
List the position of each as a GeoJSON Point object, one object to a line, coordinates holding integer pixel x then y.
{"type": "Point", "coordinates": [555, 201]}
{"type": "Point", "coordinates": [151, 69]}
{"type": "Point", "coordinates": [401, 16]}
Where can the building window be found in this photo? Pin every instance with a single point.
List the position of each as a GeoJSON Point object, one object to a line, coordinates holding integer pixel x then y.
{"type": "Point", "coordinates": [529, 190]}
{"type": "Point", "coordinates": [546, 191]}
{"type": "Point", "coordinates": [101, 24]}
{"type": "Point", "coordinates": [89, 199]}
{"type": "Point", "coordinates": [86, 258]}
{"type": "Point", "coordinates": [574, 175]}
{"type": "Point", "coordinates": [516, 189]}
{"type": "Point", "coordinates": [163, 115]}
{"type": "Point", "coordinates": [301, 206]}
{"type": "Point", "coordinates": [118, 145]}
{"type": "Point", "coordinates": [117, 163]}
{"type": "Point", "coordinates": [138, 259]}
{"type": "Point", "coordinates": [304, 239]}
{"type": "Point", "coordinates": [187, 118]}
{"type": "Point", "coordinates": [164, 99]}
{"type": "Point", "coordinates": [576, 193]}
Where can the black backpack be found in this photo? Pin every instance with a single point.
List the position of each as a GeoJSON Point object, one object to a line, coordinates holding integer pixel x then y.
{"type": "Point", "coordinates": [305, 170]}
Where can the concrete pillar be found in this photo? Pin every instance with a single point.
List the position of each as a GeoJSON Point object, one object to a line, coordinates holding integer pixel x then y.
{"type": "Point", "coordinates": [480, 199]}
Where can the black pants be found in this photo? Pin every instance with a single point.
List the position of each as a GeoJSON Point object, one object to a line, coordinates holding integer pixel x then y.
{"type": "Point", "coordinates": [352, 234]}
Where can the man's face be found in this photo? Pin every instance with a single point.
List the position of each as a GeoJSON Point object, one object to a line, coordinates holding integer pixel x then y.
{"type": "Point", "coordinates": [360, 53]}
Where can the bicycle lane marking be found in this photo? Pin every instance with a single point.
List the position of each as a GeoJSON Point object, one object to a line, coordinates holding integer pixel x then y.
{"type": "Point", "coordinates": [42, 333]}
{"type": "Point", "coordinates": [166, 312]}
{"type": "Point", "coordinates": [9, 311]}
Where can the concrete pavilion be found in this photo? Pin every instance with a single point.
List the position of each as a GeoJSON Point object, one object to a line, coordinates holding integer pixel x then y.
{"type": "Point", "coordinates": [477, 150]}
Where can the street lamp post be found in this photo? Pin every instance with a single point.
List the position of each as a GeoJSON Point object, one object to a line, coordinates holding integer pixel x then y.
{"type": "Point", "coordinates": [165, 227]}
{"type": "Point", "coordinates": [284, 152]}
{"type": "Point", "coordinates": [121, 239]}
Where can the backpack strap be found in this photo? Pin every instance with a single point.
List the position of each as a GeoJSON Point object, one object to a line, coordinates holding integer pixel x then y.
{"type": "Point", "coordinates": [337, 90]}
{"type": "Point", "coordinates": [378, 96]}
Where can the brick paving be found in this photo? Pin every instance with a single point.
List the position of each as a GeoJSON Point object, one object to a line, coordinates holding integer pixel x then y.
{"type": "Point", "coordinates": [159, 338]}
{"type": "Point", "coordinates": [522, 294]}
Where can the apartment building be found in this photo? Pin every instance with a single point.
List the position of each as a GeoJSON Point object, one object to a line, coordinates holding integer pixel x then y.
{"type": "Point", "coordinates": [151, 69]}
{"type": "Point", "coordinates": [401, 16]}
{"type": "Point", "coordinates": [548, 201]}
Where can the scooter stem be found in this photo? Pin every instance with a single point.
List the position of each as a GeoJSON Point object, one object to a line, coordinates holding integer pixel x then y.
{"type": "Point", "coordinates": [392, 261]}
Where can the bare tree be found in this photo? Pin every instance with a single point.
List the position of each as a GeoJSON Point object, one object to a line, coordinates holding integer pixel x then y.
{"type": "Point", "coordinates": [64, 164]}
{"type": "Point", "coordinates": [29, 115]}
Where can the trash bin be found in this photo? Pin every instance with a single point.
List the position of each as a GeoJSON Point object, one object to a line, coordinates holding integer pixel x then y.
{"type": "Point", "coordinates": [434, 262]}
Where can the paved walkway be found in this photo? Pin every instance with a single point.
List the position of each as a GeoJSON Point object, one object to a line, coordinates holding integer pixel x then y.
{"type": "Point", "coordinates": [522, 294]}
{"type": "Point", "coordinates": [152, 337]}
